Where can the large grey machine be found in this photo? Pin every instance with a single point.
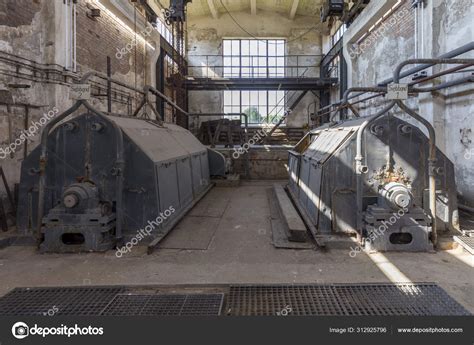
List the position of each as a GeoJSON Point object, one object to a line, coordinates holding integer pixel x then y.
{"type": "Point", "coordinates": [99, 181]}
{"type": "Point", "coordinates": [391, 188]}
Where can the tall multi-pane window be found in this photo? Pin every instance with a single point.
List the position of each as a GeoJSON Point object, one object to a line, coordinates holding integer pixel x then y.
{"type": "Point", "coordinates": [255, 58]}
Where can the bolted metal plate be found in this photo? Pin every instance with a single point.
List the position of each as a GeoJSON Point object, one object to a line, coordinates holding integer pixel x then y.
{"type": "Point", "coordinates": [57, 301]}
{"type": "Point", "coordinates": [424, 299]}
{"type": "Point", "coordinates": [166, 305]}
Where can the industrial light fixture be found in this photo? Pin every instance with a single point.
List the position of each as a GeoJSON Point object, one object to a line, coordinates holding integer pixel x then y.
{"type": "Point", "coordinates": [93, 13]}
{"type": "Point", "coordinates": [125, 26]}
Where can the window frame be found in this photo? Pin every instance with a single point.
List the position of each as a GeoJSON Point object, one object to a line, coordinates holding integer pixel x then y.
{"type": "Point", "coordinates": [271, 102]}
{"type": "Point", "coordinates": [256, 60]}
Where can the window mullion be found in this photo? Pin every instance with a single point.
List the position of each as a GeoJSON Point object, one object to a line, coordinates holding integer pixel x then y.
{"type": "Point", "coordinates": [268, 109]}
{"type": "Point", "coordinates": [240, 58]}
{"type": "Point", "coordinates": [268, 75]}
{"type": "Point", "coordinates": [240, 95]}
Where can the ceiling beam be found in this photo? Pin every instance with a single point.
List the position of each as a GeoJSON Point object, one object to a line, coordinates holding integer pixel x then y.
{"type": "Point", "coordinates": [212, 7]}
{"type": "Point", "coordinates": [294, 8]}
{"type": "Point", "coordinates": [253, 7]}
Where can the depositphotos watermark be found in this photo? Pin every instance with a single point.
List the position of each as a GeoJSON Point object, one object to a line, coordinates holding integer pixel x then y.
{"type": "Point", "coordinates": [385, 26]}
{"type": "Point", "coordinates": [21, 330]}
{"type": "Point", "coordinates": [285, 311]}
{"type": "Point", "coordinates": [468, 154]}
{"type": "Point", "coordinates": [259, 135]}
{"type": "Point", "coordinates": [28, 133]}
{"type": "Point", "coordinates": [146, 231]}
{"type": "Point", "coordinates": [378, 232]}
{"type": "Point", "coordinates": [51, 311]}
{"type": "Point", "coordinates": [121, 53]}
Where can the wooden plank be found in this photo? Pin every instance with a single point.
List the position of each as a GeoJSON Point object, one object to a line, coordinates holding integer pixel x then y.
{"type": "Point", "coordinates": [320, 240]}
{"type": "Point", "coordinates": [290, 216]}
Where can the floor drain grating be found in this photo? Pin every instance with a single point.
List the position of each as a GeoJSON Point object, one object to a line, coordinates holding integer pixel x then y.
{"type": "Point", "coordinates": [57, 301]}
{"type": "Point", "coordinates": [166, 305]}
{"type": "Point", "coordinates": [343, 300]}
{"type": "Point", "coordinates": [414, 299]}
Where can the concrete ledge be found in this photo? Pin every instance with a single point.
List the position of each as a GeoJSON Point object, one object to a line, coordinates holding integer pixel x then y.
{"type": "Point", "coordinates": [229, 181]}
{"type": "Point", "coordinates": [290, 216]}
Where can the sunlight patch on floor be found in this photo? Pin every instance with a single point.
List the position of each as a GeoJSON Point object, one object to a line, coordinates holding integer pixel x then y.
{"type": "Point", "coordinates": [390, 270]}
{"type": "Point", "coordinates": [462, 255]}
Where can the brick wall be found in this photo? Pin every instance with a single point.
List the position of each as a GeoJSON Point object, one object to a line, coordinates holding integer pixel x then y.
{"type": "Point", "coordinates": [399, 23]}
{"type": "Point", "coordinates": [405, 20]}
{"type": "Point", "coordinates": [101, 37]}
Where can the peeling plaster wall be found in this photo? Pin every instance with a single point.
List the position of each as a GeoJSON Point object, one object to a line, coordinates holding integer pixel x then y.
{"type": "Point", "coordinates": [25, 31]}
{"type": "Point", "coordinates": [205, 36]}
{"type": "Point", "coordinates": [36, 30]}
{"type": "Point", "coordinates": [377, 58]}
{"type": "Point", "coordinates": [447, 25]}
{"type": "Point", "coordinates": [455, 27]}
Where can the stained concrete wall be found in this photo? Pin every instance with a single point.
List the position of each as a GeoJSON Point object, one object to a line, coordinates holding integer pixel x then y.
{"type": "Point", "coordinates": [205, 36]}
{"type": "Point", "coordinates": [259, 163]}
{"type": "Point", "coordinates": [35, 33]}
{"type": "Point", "coordinates": [446, 25]}
{"type": "Point", "coordinates": [453, 26]}
{"type": "Point", "coordinates": [25, 31]}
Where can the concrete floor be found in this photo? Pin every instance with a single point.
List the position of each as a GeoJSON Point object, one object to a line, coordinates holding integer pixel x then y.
{"type": "Point", "coordinates": [239, 251]}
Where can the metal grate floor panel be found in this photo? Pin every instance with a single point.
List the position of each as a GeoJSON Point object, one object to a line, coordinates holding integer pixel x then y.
{"type": "Point", "coordinates": [57, 301]}
{"type": "Point", "coordinates": [166, 305]}
{"type": "Point", "coordinates": [467, 242]}
{"type": "Point", "coordinates": [414, 299]}
{"type": "Point", "coordinates": [342, 300]}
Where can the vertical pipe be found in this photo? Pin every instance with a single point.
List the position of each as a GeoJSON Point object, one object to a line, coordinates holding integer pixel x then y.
{"type": "Point", "coordinates": [416, 31]}
{"type": "Point", "coordinates": [26, 124]}
{"type": "Point", "coordinates": [119, 171]}
{"type": "Point", "coordinates": [431, 131]}
{"type": "Point", "coordinates": [66, 32]}
{"type": "Point", "coordinates": [75, 38]}
{"type": "Point", "coordinates": [43, 162]}
{"type": "Point", "coordinates": [10, 129]}
{"type": "Point", "coordinates": [431, 166]}
{"type": "Point", "coordinates": [109, 85]}
{"type": "Point", "coordinates": [362, 168]}
{"type": "Point", "coordinates": [422, 12]}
